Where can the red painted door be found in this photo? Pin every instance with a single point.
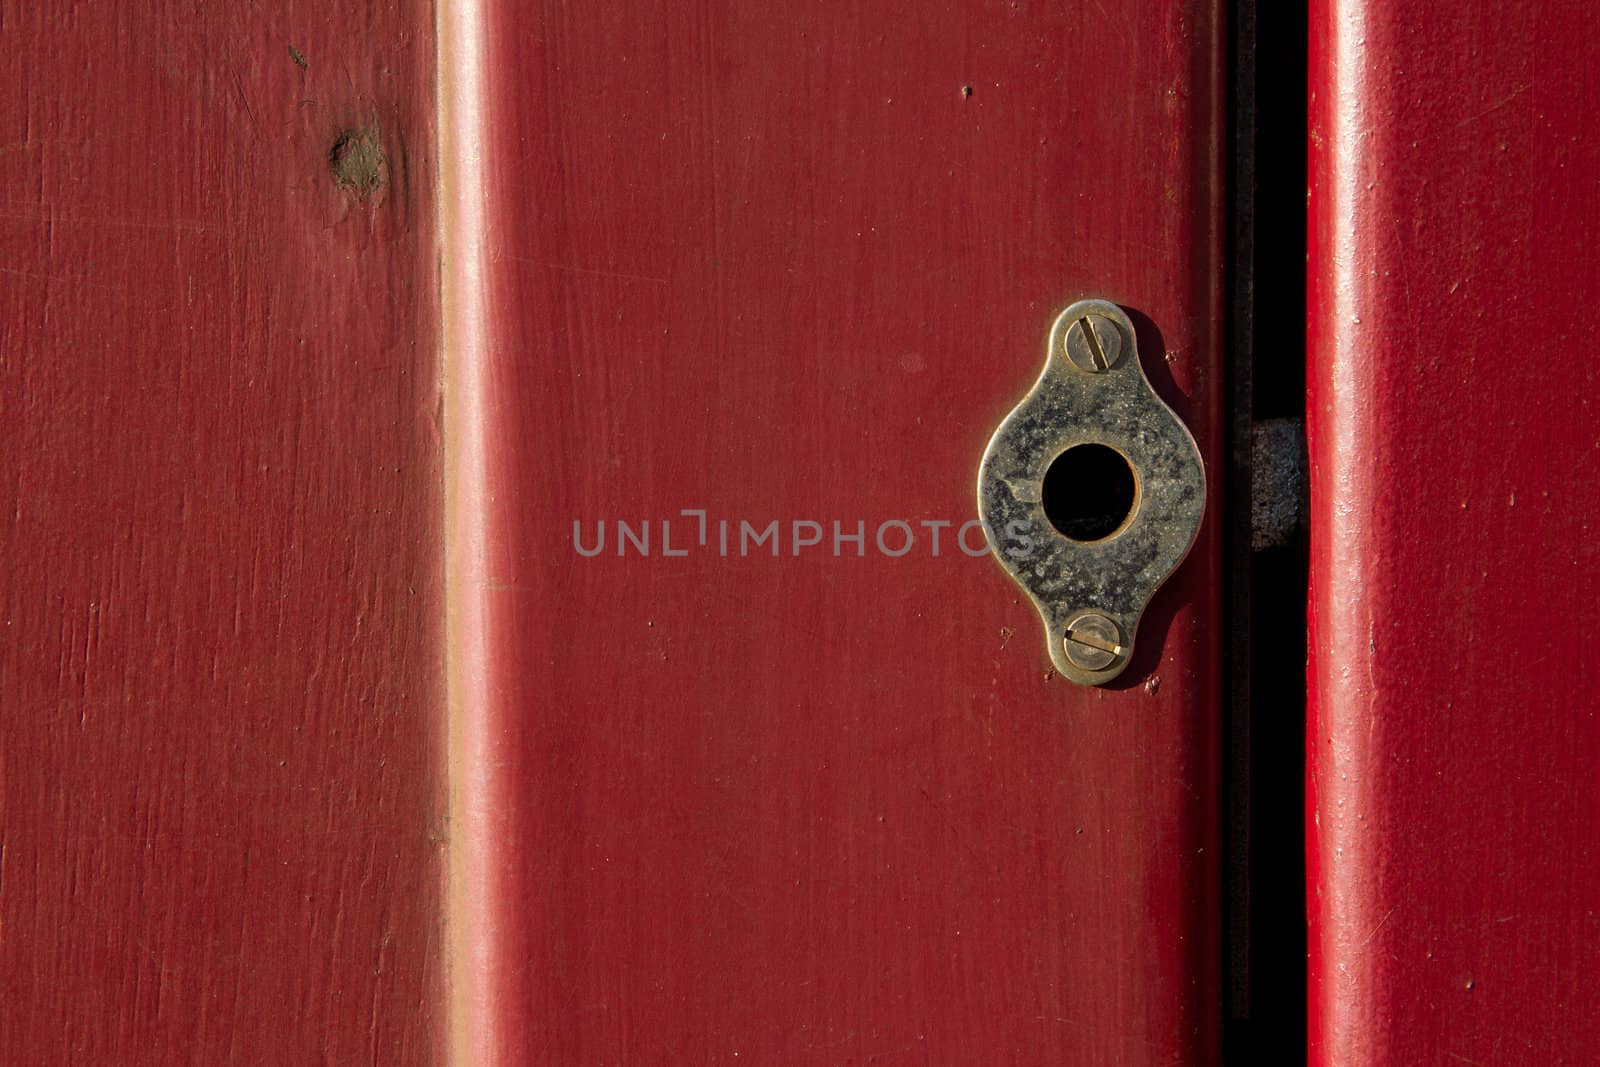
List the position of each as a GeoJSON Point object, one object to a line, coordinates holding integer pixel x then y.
{"type": "Point", "coordinates": [296, 622]}
{"type": "Point", "coordinates": [814, 804]}
{"type": "Point", "coordinates": [1454, 745]}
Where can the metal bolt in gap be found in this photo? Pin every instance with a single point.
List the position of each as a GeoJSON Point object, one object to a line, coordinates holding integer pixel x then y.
{"type": "Point", "coordinates": [1093, 343]}
{"type": "Point", "coordinates": [1092, 642]}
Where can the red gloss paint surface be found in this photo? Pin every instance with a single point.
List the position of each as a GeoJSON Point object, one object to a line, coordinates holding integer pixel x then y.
{"type": "Point", "coordinates": [1453, 746]}
{"type": "Point", "coordinates": [798, 265]}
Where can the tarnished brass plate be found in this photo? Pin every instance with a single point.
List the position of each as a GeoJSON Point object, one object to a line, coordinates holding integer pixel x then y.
{"type": "Point", "coordinates": [1093, 391]}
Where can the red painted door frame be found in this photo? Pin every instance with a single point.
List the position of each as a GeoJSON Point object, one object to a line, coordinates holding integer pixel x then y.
{"type": "Point", "coordinates": [1454, 744]}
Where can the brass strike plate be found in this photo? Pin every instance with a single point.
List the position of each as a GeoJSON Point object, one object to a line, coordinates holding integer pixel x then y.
{"type": "Point", "coordinates": [1091, 491]}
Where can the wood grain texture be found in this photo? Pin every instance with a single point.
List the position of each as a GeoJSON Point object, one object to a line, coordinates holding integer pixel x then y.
{"type": "Point", "coordinates": [796, 262]}
{"type": "Point", "coordinates": [1454, 744]}
{"type": "Point", "coordinates": [222, 662]}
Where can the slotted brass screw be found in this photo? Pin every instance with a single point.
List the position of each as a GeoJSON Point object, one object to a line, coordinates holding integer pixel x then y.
{"type": "Point", "coordinates": [1092, 642]}
{"type": "Point", "coordinates": [1093, 343]}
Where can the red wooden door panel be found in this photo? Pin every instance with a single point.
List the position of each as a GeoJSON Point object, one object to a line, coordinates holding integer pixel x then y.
{"type": "Point", "coordinates": [1454, 745]}
{"type": "Point", "coordinates": [794, 263]}
{"type": "Point", "coordinates": [822, 805]}
{"type": "Point", "coordinates": [220, 667]}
